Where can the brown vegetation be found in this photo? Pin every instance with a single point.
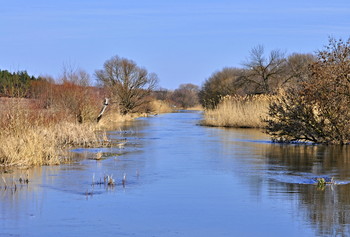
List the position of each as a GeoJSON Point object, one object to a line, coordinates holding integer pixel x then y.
{"type": "Point", "coordinates": [128, 84]}
{"type": "Point", "coordinates": [218, 85]}
{"type": "Point", "coordinates": [185, 96]}
{"type": "Point", "coordinates": [318, 110]}
{"type": "Point", "coordinates": [160, 106]}
{"type": "Point", "coordinates": [239, 111]}
{"type": "Point", "coordinates": [37, 124]}
{"type": "Point", "coordinates": [30, 136]}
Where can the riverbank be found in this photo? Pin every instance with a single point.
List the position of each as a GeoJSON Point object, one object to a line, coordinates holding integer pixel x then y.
{"type": "Point", "coordinates": [32, 136]}
{"type": "Point", "coordinates": [239, 111]}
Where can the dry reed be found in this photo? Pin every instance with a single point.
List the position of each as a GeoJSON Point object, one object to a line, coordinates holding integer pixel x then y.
{"type": "Point", "coordinates": [239, 111]}
{"type": "Point", "coordinates": [30, 137]}
{"type": "Point", "coordinates": [160, 106]}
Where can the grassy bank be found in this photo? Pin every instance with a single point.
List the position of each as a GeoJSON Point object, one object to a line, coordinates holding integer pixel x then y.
{"type": "Point", "coordinates": [160, 106]}
{"type": "Point", "coordinates": [31, 136]}
{"type": "Point", "coordinates": [239, 111]}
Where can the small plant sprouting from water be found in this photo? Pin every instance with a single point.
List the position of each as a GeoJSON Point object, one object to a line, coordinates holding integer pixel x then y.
{"type": "Point", "coordinates": [124, 180]}
{"type": "Point", "coordinates": [323, 181]}
{"type": "Point", "coordinates": [15, 184]}
{"type": "Point", "coordinates": [107, 181]}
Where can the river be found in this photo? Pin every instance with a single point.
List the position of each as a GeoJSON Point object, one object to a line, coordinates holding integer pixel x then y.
{"type": "Point", "coordinates": [175, 178]}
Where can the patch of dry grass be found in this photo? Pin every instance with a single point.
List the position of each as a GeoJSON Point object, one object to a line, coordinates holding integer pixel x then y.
{"type": "Point", "coordinates": [30, 137]}
{"type": "Point", "coordinates": [197, 107]}
{"type": "Point", "coordinates": [33, 136]}
{"type": "Point", "coordinates": [239, 111]}
{"type": "Point", "coordinates": [160, 106]}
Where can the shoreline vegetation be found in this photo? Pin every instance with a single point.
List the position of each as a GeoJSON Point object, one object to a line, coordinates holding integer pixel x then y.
{"type": "Point", "coordinates": [248, 111]}
{"type": "Point", "coordinates": [42, 118]}
{"type": "Point", "coordinates": [300, 97]}
{"type": "Point", "coordinates": [306, 96]}
{"type": "Point", "coordinates": [34, 137]}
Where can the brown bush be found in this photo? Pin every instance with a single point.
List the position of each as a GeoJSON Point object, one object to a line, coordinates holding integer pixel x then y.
{"type": "Point", "coordinates": [317, 111]}
{"type": "Point", "coordinates": [75, 102]}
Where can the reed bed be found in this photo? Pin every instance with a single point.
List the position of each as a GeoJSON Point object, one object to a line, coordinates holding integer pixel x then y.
{"type": "Point", "coordinates": [160, 106]}
{"type": "Point", "coordinates": [239, 111]}
{"type": "Point", "coordinates": [31, 137]}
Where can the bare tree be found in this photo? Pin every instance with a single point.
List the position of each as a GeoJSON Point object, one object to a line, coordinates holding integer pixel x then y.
{"type": "Point", "coordinates": [127, 82]}
{"type": "Point", "coordinates": [265, 74]}
{"type": "Point", "coordinates": [186, 95]}
{"type": "Point", "coordinates": [75, 75]}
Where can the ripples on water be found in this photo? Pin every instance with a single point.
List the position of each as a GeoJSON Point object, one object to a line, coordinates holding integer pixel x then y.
{"type": "Point", "coordinates": [183, 180]}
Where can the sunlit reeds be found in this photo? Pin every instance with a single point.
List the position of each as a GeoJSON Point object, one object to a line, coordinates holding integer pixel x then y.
{"type": "Point", "coordinates": [239, 111]}
{"type": "Point", "coordinates": [30, 136]}
{"type": "Point", "coordinates": [160, 106]}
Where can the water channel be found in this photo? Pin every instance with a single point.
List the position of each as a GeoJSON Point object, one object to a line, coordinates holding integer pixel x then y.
{"type": "Point", "coordinates": [182, 179]}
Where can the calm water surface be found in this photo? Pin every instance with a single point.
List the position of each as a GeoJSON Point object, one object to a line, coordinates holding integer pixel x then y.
{"type": "Point", "coordinates": [184, 180]}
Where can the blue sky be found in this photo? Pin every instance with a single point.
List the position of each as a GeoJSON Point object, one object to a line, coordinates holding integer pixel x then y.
{"type": "Point", "coordinates": [182, 41]}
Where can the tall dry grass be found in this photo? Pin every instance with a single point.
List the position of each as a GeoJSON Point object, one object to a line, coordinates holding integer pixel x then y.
{"type": "Point", "coordinates": [30, 136]}
{"type": "Point", "coordinates": [239, 111]}
{"type": "Point", "coordinates": [160, 106]}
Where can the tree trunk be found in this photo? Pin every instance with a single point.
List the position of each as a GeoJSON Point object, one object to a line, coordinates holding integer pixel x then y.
{"type": "Point", "coordinates": [105, 104]}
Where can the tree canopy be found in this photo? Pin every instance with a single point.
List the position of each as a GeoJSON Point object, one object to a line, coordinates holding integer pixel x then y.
{"type": "Point", "coordinates": [128, 83]}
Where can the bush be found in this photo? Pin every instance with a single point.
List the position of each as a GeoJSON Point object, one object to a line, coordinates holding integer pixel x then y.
{"type": "Point", "coordinates": [76, 102]}
{"type": "Point", "coordinates": [318, 111]}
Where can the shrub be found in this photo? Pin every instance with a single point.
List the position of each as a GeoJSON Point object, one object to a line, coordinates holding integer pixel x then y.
{"type": "Point", "coordinates": [76, 102]}
{"type": "Point", "coordinates": [318, 111]}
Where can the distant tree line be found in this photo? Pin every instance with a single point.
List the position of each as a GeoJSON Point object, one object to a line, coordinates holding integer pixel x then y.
{"type": "Point", "coordinates": [313, 91]}
{"type": "Point", "coordinates": [184, 97]}
{"type": "Point", "coordinates": [260, 74]}
{"type": "Point", "coordinates": [15, 84]}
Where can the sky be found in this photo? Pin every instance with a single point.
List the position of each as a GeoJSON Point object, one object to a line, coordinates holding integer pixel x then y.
{"type": "Point", "coordinates": [182, 41]}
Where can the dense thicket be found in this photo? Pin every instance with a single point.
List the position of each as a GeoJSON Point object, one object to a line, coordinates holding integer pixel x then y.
{"type": "Point", "coordinates": [318, 110]}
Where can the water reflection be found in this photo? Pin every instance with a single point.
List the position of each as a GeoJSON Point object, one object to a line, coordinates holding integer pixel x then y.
{"type": "Point", "coordinates": [183, 179]}
{"type": "Point", "coordinates": [327, 209]}
{"type": "Point", "coordinates": [288, 172]}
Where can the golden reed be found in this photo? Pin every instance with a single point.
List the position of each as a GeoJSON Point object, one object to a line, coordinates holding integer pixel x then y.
{"type": "Point", "coordinates": [239, 111]}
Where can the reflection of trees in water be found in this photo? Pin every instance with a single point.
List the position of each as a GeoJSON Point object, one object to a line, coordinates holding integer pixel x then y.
{"type": "Point", "coordinates": [329, 209]}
